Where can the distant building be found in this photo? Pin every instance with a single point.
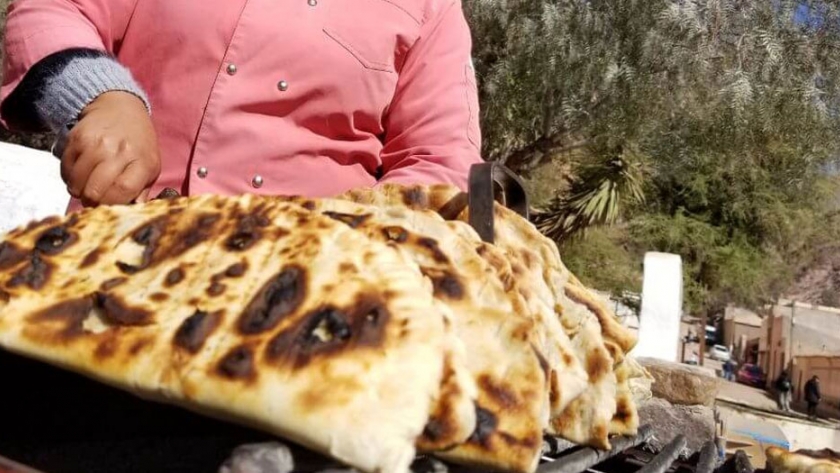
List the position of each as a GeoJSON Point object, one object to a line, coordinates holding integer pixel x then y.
{"type": "Point", "coordinates": [740, 328]}
{"type": "Point", "coordinates": [808, 334]}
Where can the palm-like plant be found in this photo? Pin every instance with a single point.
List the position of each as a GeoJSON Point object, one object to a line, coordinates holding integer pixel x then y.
{"type": "Point", "coordinates": [597, 196]}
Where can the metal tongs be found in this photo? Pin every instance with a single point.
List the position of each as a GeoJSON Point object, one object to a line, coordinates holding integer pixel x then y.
{"type": "Point", "coordinates": [489, 183]}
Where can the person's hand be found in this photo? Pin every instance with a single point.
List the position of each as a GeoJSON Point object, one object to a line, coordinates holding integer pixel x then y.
{"type": "Point", "coordinates": [111, 155]}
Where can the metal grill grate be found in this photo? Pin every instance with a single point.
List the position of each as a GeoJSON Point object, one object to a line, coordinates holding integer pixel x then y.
{"type": "Point", "coordinates": [627, 455]}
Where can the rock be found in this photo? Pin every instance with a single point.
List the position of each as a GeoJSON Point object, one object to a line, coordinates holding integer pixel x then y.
{"type": "Point", "coordinates": [681, 384]}
{"type": "Point", "coordinates": [697, 423]}
{"type": "Point", "coordinates": [271, 457]}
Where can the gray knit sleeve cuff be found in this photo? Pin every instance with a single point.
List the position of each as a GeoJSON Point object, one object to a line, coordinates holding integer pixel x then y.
{"type": "Point", "coordinates": [68, 91]}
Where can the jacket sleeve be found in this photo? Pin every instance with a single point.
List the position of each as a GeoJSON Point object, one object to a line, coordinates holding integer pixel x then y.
{"type": "Point", "coordinates": [38, 29]}
{"type": "Point", "coordinates": [431, 127]}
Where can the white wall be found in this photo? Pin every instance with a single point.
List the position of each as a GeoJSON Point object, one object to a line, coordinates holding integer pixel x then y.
{"type": "Point", "coordinates": [662, 297]}
{"type": "Point", "coordinates": [30, 186]}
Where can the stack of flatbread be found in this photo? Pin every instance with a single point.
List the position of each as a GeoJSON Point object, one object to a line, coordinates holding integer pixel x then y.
{"type": "Point", "coordinates": [802, 461]}
{"type": "Point", "coordinates": [368, 327]}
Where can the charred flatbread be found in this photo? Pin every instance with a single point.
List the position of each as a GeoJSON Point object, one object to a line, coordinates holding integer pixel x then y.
{"type": "Point", "coordinates": [802, 461]}
{"type": "Point", "coordinates": [599, 340]}
{"type": "Point", "coordinates": [502, 355]}
{"type": "Point", "coordinates": [567, 375]}
{"type": "Point", "coordinates": [246, 309]}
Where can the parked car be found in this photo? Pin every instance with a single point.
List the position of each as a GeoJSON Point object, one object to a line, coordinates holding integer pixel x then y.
{"type": "Point", "coordinates": [751, 375]}
{"type": "Point", "coordinates": [720, 353]}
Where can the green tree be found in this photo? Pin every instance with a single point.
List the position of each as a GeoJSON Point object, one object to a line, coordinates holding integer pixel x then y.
{"type": "Point", "coordinates": [700, 127]}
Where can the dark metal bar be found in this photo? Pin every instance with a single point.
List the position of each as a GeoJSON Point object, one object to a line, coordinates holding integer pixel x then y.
{"type": "Point", "coordinates": [553, 446]}
{"type": "Point", "coordinates": [484, 180]}
{"type": "Point", "coordinates": [708, 456]}
{"type": "Point", "coordinates": [581, 460]}
{"type": "Point", "coordinates": [666, 457]}
{"type": "Point", "coordinates": [738, 463]}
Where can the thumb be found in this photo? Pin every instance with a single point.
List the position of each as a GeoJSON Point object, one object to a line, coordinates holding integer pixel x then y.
{"type": "Point", "coordinates": [144, 196]}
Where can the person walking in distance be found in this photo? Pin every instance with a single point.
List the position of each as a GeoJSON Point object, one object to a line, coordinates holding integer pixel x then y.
{"type": "Point", "coordinates": [729, 370]}
{"type": "Point", "coordinates": [812, 396]}
{"type": "Point", "coordinates": [783, 386]}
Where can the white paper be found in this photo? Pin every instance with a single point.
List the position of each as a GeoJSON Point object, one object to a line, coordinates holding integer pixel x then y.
{"type": "Point", "coordinates": [30, 186]}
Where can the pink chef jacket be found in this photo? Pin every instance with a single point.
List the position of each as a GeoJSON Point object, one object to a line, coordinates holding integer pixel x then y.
{"type": "Point", "coordinates": [304, 97]}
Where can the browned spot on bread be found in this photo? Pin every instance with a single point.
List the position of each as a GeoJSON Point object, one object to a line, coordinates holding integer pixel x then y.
{"type": "Point", "coordinates": [236, 270]}
{"type": "Point", "coordinates": [554, 390]}
{"type": "Point", "coordinates": [434, 250]}
{"type": "Point", "coordinates": [248, 232]}
{"type": "Point", "coordinates": [279, 297]}
{"type": "Point", "coordinates": [237, 364]}
{"type": "Point", "coordinates": [195, 329]}
{"type": "Point", "coordinates": [501, 395]}
{"type": "Point", "coordinates": [37, 224]}
{"type": "Point", "coordinates": [522, 332]}
{"type": "Point", "coordinates": [396, 234]}
{"type": "Point", "coordinates": [529, 259]}
{"type": "Point", "coordinates": [567, 358]}
{"type": "Point", "coordinates": [308, 205]}
{"type": "Point", "coordinates": [485, 426]}
{"type": "Point", "coordinates": [622, 413]}
{"type": "Point", "coordinates": [173, 277]}
{"type": "Point", "coordinates": [530, 442]}
{"type": "Point", "coordinates": [345, 268]}
{"type": "Point", "coordinates": [415, 197]}
{"type": "Point", "coordinates": [11, 255]}
{"type": "Point", "coordinates": [201, 230]}
{"type": "Point", "coordinates": [138, 345]}
{"type": "Point", "coordinates": [159, 297]}
{"type": "Point", "coordinates": [147, 236]}
{"type": "Point", "coordinates": [216, 289]}
{"type": "Point", "coordinates": [329, 330]}
{"type": "Point", "coordinates": [342, 389]}
{"type": "Point", "coordinates": [112, 283]}
{"type": "Point", "coordinates": [447, 285]}
{"type": "Point", "coordinates": [597, 364]}
{"type": "Point", "coordinates": [117, 312]}
{"type": "Point", "coordinates": [91, 258]}
{"type": "Point", "coordinates": [107, 347]}
{"type": "Point", "coordinates": [353, 221]}
{"type": "Point", "coordinates": [441, 427]}
{"type": "Point", "coordinates": [208, 220]}
{"type": "Point", "coordinates": [160, 246]}
{"type": "Point", "coordinates": [55, 240]}
{"type": "Point", "coordinates": [4, 296]}
{"type": "Point", "coordinates": [72, 313]}
{"type": "Point", "coordinates": [34, 275]}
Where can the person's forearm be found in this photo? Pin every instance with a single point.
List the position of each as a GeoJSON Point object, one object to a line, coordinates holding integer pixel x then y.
{"type": "Point", "coordinates": [59, 87]}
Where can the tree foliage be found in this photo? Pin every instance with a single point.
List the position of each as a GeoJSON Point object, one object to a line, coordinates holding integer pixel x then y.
{"type": "Point", "coordinates": [702, 128]}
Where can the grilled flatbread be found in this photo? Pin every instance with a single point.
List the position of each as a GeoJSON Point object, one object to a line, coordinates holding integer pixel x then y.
{"type": "Point", "coordinates": [802, 461]}
{"type": "Point", "coordinates": [600, 342]}
{"type": "Point", "coordinates": [567, 378]}
{"type": "Point", "coordinates": [246, 309]}
{"type": "Point", "coordinates": [512, 403]}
